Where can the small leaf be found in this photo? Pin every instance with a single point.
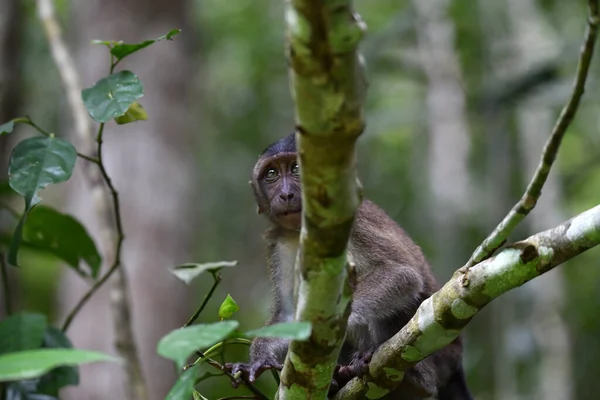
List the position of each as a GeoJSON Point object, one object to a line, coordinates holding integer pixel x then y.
{"type": "Point", "coordinates": [107, 43]}
{"type": "Point", "coordinates": [375, 392]}
{"type": "Point", "coordinates": [295, 330]}
{"type": "Point", "coordinates": [63, 236]}
{"type": "Point", "coordinates": [34, 164]}
{"type": "Point", "coordinates": [122, 50]}
{"type": "Point", "coordinates": [184, 387]}
{"type": "Point", "coordinates": [135, 113]}
{"type": "Point", "coordinates": [228, 307]}
{"type": "Point", "coordinates": [33, 363]}
{"type": "Point", "coordinates": [7, 127]}
{"type": "Point", "coordinates": [179, 344]}
{"type": "Point", "coordinates": [111, 97]}
{"type": "Point", "coordinates": [22, 331]}
{"type": "Point", "coordinates": [190, 271]}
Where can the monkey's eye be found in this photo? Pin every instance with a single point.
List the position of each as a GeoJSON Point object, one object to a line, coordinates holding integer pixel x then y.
{"type": "Point", "coordinates": [271, 174]}
{"type": "Point", "coordinates": [295, 169]}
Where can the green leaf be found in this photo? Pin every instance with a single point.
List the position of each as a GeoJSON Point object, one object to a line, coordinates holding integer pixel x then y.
{"type": "Point", "coordinates": [63, 236]}
{"type": "Point", "coordinates": [190, 271]}
{"type": "Point", "coordinates": [184, 387]}
{"type": "Point", "coordinates": [295, 330]}
{"type": "Point", "coordinates": [5, 188]}
{"type": "Point", "coordinates": [22, 331]}
{"type": "Point", "coordinates": [375, 392]}
{"type": "Point", "coordinates": [135, 113]}
{"type": "Point", "coordinates": [34, 164]}
{"type": "Point", "coordinates": [179, 344]}
{"type": "Point", "coordinates": [198, 395]}
{"type": "Point", "coordinates": [7, 127]}
{"type": "Point", "coordinates": [59, 377]}
{"type": "Point", "coordinates": [111, 97]}
{"type": "Point", "coordinates": [228, 307]}
{"type": "Point", "coordinates": [33, 363]}
{"type": "Point", "coordinates": [122, 50]}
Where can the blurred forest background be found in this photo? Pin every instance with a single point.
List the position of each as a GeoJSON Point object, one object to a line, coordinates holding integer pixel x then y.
{"type": "Point", "coordinates": [462, 96]}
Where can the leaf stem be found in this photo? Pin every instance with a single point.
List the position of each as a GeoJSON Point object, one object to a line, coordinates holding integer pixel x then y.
{"type": "Point", "coordinates": [217, 280]}
{"type": "Point", "coordinates": [4, 272]}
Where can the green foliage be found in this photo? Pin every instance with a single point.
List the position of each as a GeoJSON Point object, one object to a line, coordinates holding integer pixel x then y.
{"type": "Point", "coordinates": [7, 127]}
{"type": "Point", "coordinates": [184, 387]}
{"type": "Point", "coordinates": [30, 364]}
{"type": "Point", "coordinates": [228, 308]}
{"type": "Point", "coordinates": [34, 164]}
{"type": "Point", "coordinates": [135, 113]}
{"type": "Point", "coordinates": [190, 271]}
{"type": "Point", "coordinates": [122, 50]}
{"type": "Point", "coordinates": [179, 344]}
{"type": "Point", "coordinates": [22, 331]}
{"type": "Point", "coordinates": [63, 236]}
{"type": "Point", "coordinates": [295, 330]}
{"type": "Point", "coordinates": [111, 97]}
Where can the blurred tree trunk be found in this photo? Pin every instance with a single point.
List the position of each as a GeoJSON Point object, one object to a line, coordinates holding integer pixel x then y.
{"type": "Point", "coordinates": [152, 166]}
{"type": "Point", "coordinates": [535, 123]}
{"type": "Point", "coordinates": [10, 47]}
{"type": "Point", "coordinates": [448, 127]}
{"type": "Point", "coordinates": [501, 322]}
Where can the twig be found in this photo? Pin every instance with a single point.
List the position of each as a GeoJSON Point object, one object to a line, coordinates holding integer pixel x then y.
{"type": "Point", "coordinates": [534, 189]}
{"type": "Point", "coordinates": [5, 284]}
{"type": "Point", "coordinates": [217, 279]}
{"type": "Point", "coordinates": [120, 304]}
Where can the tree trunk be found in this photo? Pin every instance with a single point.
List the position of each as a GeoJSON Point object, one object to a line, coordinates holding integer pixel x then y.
{"type": "Point", "coordinates": [152, 166]}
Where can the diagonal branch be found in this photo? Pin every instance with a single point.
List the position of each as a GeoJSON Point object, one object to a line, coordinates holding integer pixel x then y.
{"type": "Point", "coordinates": [534, 189]}
{"type": "Point", "coordinates": [328, 87]}
{"type": "Point", "coordinates": [440, 319]}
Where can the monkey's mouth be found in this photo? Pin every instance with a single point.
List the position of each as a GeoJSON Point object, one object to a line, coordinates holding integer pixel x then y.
{"type": "Point", "coordinates": [291, 219]}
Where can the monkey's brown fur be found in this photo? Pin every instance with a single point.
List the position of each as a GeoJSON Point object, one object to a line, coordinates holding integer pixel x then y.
{"type": "Point", "coordinates": [393, 278]}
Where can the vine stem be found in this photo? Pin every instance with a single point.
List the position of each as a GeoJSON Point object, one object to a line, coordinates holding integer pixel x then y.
{"type": "Point", "coordinates": [98, 178]}
{"type": "Point", "coordinates": [217, 280]}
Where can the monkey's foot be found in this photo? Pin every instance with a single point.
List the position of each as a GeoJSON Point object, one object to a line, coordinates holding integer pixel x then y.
{"type": "Point", "coordinates": [250, 372]}
{"type": "Point", "coordinates": [359, 365]}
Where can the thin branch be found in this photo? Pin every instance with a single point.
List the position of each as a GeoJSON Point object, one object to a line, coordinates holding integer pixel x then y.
{"type": "Point", "coordinates": [5, 284]}
{"type": "Point", "coordinates": [440, 319]}
{"type": "Point", "coordinates": [120, 303]}
{"type": "Point", "coordinates": [217, 280]}
{"type": "Point", "coordinates": [534, 189]}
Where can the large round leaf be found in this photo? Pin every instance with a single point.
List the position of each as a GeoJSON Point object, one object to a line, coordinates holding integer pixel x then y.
{"type": "Point", "coordinates": [110, 97]}
{"type": "Point", "coordinates": [179, 344]}
{"type": "Point", "coordinates": [63, 236]}
{"type": "Point", "coordinates": [37, 162]}
{"type": "Point", "coordinates": [34, 164]}
{"type": "Point", "coordinates": [33, 363]}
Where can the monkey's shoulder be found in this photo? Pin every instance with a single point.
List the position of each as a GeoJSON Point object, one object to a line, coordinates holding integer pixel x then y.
{"type": "Point", "coordinates": [381, 238]}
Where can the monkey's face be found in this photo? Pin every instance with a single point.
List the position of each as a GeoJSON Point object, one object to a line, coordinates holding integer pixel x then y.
{"type": "Point", "coordinates": [279, 184]}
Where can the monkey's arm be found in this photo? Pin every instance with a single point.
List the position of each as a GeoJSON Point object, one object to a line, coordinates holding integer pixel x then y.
{"type": "Point", "coordinates": [386, 297]}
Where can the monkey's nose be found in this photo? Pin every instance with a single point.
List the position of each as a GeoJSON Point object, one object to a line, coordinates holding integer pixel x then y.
{"type": "Point", "coordinates": [286, 196]}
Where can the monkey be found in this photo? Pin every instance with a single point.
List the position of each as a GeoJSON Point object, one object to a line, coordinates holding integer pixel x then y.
{"type": "Point", "coordinates": [393, 279]}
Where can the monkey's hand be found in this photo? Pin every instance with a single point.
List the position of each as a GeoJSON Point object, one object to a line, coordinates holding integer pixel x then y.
{"type": "Point", "coordinates": [249, 372]}
{"type": "Point", "coordinates": [358, 366]}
